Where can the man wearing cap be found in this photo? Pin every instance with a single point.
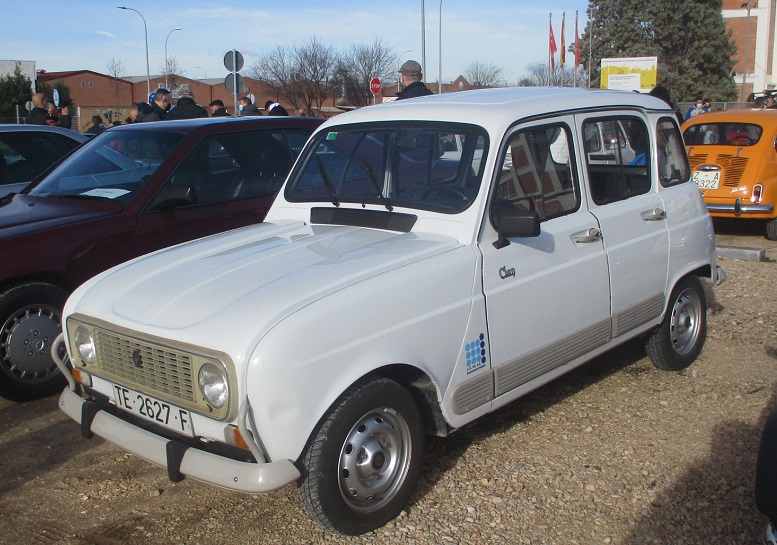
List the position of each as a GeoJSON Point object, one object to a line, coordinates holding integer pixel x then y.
{"type": "Point", "coordinates": [186, 108]}
{"type": "Point", "coordinates": [217, 109]}
{"type": "Point", "coordinates": [411, 81]}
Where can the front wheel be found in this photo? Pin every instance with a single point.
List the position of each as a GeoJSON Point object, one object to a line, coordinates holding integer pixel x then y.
{"type": "Point", "coordinates": [677, 342]}
{"type": "Point", "coordinates": [362, 462]}
{"type": "Point", "coordinates": [30, 321]}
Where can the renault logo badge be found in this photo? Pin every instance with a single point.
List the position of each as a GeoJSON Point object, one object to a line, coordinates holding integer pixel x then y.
{"type": "Point", "coordinates": [137, 359]}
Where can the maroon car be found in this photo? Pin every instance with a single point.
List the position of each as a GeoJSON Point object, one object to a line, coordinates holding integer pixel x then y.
{"type": "Point", "coordinates": [131, 190]}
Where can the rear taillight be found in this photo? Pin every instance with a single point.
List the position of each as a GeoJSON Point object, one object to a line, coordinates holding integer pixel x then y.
{"type": "Point", "coordinates": [757, 194]}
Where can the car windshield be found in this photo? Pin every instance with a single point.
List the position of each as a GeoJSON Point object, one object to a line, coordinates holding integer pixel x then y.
{"type": "Point", "coordinates": [723, 134]}
{"type": "Point", "coordinates": [427, 166]}
{"type": "Point", "coordinates": [115, 165]}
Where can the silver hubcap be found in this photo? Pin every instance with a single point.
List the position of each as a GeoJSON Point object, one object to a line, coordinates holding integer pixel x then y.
{"type": "Point", "coordinates": [374, 460]}
{"type": "Point", "coordinates": [686, 321]}
{"type": "Point", "coordinates": [25, 343]}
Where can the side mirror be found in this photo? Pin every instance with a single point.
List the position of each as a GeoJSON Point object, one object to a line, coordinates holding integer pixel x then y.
{"type": "Point", "coordinates": [513, 222]}
{"type": "Point", "coordinates": [174, 197]}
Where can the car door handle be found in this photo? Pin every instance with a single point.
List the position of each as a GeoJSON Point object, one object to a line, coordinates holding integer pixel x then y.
{"type": "Point", "coordinates": [653, 215]}
{"type": "Point", "coordinates": [591, 235]}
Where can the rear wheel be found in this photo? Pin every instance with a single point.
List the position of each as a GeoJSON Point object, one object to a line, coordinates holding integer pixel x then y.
{"type": "Point", "coordinates": [362, 462]}
{"type": "Point", "coordinates": [30, 320]}
{"type": "Point", "coordinates": [771, 229]}
{"type": "Point", "coordinates": [677, 342]}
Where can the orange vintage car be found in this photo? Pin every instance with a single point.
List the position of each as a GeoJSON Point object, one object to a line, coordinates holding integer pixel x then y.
{"type": "Point", "coordinates": [733, 157]}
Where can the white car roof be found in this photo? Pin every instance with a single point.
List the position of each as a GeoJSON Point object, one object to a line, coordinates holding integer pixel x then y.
{"type": "Point", "coordinates": [497, 108]}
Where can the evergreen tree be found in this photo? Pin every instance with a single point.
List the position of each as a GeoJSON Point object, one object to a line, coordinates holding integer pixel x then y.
{"type": "Point", "coordinates": [15, 90]}
{"type": "Point", "coordinates": [694, 49]}
{"type": "Point", "coordinates": [64, 92]}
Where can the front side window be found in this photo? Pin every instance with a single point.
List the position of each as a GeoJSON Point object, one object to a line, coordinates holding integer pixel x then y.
{"type": "Point", "coordinates": [230, 166]}
{"type": "Point", "coordinates": [620, 168]}
{"type": "Point", "coordinates": [27, 154]}
{"type": "Point", "coordinates": [114, 166]}
{"type": "Point", "coordinates": [537, 173]}
{"type": "Point", "coordinates": [427, 166]}
{"type": "Point", "coordinates": [723, 134]}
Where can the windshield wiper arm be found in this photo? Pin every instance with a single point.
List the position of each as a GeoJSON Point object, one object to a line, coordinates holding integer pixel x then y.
{"type": "Point", "coordinates": [327, 181]}
{"type": "Point", "coordinates": [374, 180]}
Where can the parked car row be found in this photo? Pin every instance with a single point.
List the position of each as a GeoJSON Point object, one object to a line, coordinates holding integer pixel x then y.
{"type": "Point", "coordinates": [130, 190]}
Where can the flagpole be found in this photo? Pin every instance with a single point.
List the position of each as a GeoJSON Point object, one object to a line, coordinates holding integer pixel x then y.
{"type": "Point", "coordinates": [550, 53]}
{"type": "Point", "coordinates": [577, 50]}
{"type": "Point", "coordinates": [562, 53]}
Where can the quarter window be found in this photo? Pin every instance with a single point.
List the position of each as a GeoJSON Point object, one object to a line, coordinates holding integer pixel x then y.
{"type": "Point", "coordinates": [672, 161]}
{"type": "Point", "coordinates": [537, 172]}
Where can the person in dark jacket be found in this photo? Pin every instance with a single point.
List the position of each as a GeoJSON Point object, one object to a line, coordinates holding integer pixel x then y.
{"type": "Point", "coordinates": [411, 81]}
{"type": "Point", "coordinates": [157, 110]}
{"type": "Point", "coordinates": [39, 115]}
{"type": "Point", "coordinates": [57, 117]}
{"type": "Point", "coordinates": [186, 108]}
{"type": "Point", "coordinates": [217, 109]}
{"type": "Point", "coordinates": [273, 108]}
{"type": "Point", "coordinates": [97, 126]}
{"type": "Point", "coordinates": [247, 107]}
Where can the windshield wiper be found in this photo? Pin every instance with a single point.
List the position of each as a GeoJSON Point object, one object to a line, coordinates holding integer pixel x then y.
{"type": "Point", "coordinates": [374, 180]}
{"type": "Point", "coordinates": [327, 181]}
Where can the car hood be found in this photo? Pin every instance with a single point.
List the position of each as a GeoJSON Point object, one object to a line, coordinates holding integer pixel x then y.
{"type": "Point", "coordinates": [22, 213]}
{"type": "Point", "coordinates": [261, 273]}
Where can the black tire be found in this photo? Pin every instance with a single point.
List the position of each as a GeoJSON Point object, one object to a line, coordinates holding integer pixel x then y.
{"type": "Point", "coordinates": [30, 320]}
{"type": "Point", "coordinates": [362, 462]}
{"type": "Point", "coordinates": [677, 342]}
{"type": "Point", "coordinates": [771, 229]}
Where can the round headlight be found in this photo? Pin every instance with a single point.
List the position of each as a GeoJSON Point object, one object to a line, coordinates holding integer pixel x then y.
{"type": "Point", "coordinates": [85, 344]}
{"type": "Point", "coordinates": [213, 385]}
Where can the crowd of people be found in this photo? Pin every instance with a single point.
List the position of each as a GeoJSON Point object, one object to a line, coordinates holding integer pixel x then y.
{"type": "Point", "coordinates": [161, 108]}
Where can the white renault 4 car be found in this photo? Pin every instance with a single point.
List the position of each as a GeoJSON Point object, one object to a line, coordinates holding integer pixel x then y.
{"type": "Point", "coordinates": [394, 291]}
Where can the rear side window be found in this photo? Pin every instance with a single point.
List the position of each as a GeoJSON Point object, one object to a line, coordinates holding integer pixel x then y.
{"type": "Point", "coordinates": [537, 172]}
{"type": "Point", "coordinates": [617, 158]}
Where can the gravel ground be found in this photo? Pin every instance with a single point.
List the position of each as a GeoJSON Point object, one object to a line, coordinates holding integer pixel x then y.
{"type": "Point", "coordinates": [615, 452]}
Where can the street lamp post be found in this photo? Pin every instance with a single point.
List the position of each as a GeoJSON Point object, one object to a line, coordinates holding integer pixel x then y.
{"type": "Point", "coordinates": [439, 65]}
{"type": "Point", "coordinates": [145, 31]}
{"type": "Point", "coordinates": [747, 5]}
{"type": "Point", "coordinates": [423, 39]}
{"type": "Point", "coordinates": [399, 66]}
{"type": "Point", "coordinates": [204, 73]}
{"type": "Point", "coordinates": [167, 62]}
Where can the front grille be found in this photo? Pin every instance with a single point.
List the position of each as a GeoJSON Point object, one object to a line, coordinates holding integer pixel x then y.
{"type": "Point", "coordinates": [154, 368]}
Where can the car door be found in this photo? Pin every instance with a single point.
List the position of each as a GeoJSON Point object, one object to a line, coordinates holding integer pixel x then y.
{"type": "Point", "coordinates": [622, 196]}
{"type": "Point", "coordinates": [227, 181]}
{"type": "Point", "coordinates": [547, 298]}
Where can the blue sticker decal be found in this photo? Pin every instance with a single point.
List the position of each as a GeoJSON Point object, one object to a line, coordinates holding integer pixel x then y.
{"type": "Point", "coordinates": [476, 354]}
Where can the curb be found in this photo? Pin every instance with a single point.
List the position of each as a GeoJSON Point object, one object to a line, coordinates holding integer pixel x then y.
{"type": "Point", "coordinates": [745, 254]}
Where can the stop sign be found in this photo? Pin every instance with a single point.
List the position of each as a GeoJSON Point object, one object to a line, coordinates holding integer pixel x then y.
{"type": "Point", "coordinates": [375, 86]}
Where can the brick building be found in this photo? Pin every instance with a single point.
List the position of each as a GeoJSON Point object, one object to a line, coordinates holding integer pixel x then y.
{"type": "Point", "coordinates": [752, 23]}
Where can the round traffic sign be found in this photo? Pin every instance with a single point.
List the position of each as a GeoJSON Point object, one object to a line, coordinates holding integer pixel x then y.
{"type": "Point", "coordinates": [375, 86]}
{"type": "Point", "coordinates": [233, 61]}
{"type": "Point", "coordinates": [234, 83]}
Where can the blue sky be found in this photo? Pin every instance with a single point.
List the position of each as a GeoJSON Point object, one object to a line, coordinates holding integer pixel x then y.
{"type": "Point", "coordinates": [88, 34]}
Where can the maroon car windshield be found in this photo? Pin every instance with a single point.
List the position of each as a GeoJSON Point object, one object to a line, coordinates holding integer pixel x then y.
{"type": "Point", "coordinates": [114, 166]}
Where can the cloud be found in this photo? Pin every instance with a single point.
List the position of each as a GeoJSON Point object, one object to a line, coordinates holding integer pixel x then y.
{"type": "Point", "coordinates": [106, 33]}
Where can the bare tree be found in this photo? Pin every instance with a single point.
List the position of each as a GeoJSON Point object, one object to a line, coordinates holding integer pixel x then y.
{"type": "Point", "coordinates": [172, 71]}
{"type": "Point", "coordinates": [117, 71]}
{"type": "Point", "coordinates": [302, 75]}
{"type": "Point", "coordinates": [483, 75]}
{"type": "Point", "coordinates": [542, 75]}
{"type": "Point", "coordinates": [359, 65]}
